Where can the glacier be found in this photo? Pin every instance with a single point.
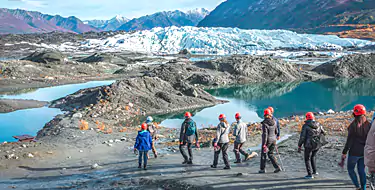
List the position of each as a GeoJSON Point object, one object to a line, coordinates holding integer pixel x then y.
{"type": "Point", "coordinates": [219, 41]}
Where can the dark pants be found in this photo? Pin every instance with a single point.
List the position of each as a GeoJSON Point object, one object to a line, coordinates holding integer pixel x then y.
{"type": "Point", "coordinates": [182, 147]}
{"type": "Point", "coordinates": [238, 149]}
{"type": "Point", "coordinates": [263, 158]}
{"type": "Point", "coordinates": [360, 162]}
{"type": "Point", "coordinates": [224, 148]}
{"type": "Point", "coordinates": [144, 155]}
{"type": "Point", "coordinates": [310, 157]}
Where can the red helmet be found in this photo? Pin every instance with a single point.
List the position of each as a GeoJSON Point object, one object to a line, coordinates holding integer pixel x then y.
{"type": "Point", "coordinates": [188, 114]}
{"type": "Point", "coordinates": [310, 116]}
{"type": "Point", "coordinates": [271, 108]}
{"type": "Point", "coordinates": [221, 116]}
{"type": "Point", "coordinates": [359, 110]}
{"type": "Point", "coordinates": [144, 126]}
{"type": "Point", "coordinates": [267, 112]}
{"type": "Point", "coordinates": [238, 116]}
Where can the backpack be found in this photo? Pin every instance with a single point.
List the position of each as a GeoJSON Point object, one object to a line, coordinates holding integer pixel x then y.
{"type": "Point", "coordinates": [318, 139]}
{"type": "Point", "coordinates": [190, 129]}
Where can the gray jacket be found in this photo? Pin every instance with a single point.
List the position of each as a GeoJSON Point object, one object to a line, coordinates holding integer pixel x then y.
{"type": "Point", "coordinates": [240, 131]}
{"type": "Point", "coordinates": [222, 133]}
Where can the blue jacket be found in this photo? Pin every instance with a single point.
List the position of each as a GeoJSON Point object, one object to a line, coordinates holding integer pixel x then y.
{"type": "Point", "coordinates": [143, 141]}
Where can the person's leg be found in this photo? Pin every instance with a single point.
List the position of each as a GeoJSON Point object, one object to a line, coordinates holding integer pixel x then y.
{"type": "Point", "coordinates": [242, 151]}
{"type": "Point", "coordinates": [154, 149]}
{"type": "Point", "coordinates": [263, 160]}
{"type": "Point", "coordinates": [313, 161]}
{"type": "Point", "coordinates": [190, 152]}
{"type": "Point", "coordinates": [352, 161]}
{"type": "Point", "coordinates": [183, 153]}
{"type": "Point", "coordinates": [145, 158]}
{"type": "Point", "coordinates": [307, 157]}
{"type": "Point", "coordinates": [225, 154]}
{"type": "Point", "coordinates": [216, 156]}
{"type": "Point", "coordinates": [272, 157]}
{"type": "Point", "coordinates": [237, 152]}
{"type": "Point", "coordinates": [362, 172]}
{"type": "Point", "coordinates": [140, 154]}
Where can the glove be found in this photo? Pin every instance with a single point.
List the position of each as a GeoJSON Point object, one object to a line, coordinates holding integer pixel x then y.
{"type": "Point", "coordinates": [181, 143]}
{"type": "Point", "coordinates": [278, 138]}
{"type": "Point", "coordinates": [343, 157]}
{"type": "Point", "coordinates": [135, 151]}
{"type": "Point", "coordinates": [265, 149]}
{"type": "Point", "coordinates": [215, 144]}
{"type": "Point", "coordinates": [299, 149]}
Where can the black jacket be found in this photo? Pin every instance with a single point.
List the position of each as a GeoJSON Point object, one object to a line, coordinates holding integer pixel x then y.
{"type": "Point", "coordinates": [309, 130]}
{"type": "Point", "coordinates": [270, 131]}
{"type": "Point", "coordinates": [357, 137]}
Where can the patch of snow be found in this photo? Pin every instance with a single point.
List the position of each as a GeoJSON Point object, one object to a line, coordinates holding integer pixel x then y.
{"type": "Point", "coordinates": [219, 41]}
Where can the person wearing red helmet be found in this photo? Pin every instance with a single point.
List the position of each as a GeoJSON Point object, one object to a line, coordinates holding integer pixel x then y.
{"type": "Point", "coordinates": [240, 132]}
{"type": "Point", "coordinates": [188, 134]}
{"type": "Point", "coordinates": [221, 142]}
{"type": "Point", "coordinates": [143, 144]}
{"type": "Point", "coordinates": [277, 122]}
{"type": "Point", "coordinates": [355, 145]}
{"type": "Point", "coordinates": [370, 150]}
{"type": "Point", "coordinates": [310, 137]}
{"type": "Point", "coordinates": [269, 135]}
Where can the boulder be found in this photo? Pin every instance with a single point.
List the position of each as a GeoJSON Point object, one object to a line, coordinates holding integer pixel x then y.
{"type": "Point", "coordinates": [47, 57]}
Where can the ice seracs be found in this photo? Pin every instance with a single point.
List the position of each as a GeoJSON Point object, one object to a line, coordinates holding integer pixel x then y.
{"type": "Point", "coordinates": [221, 41]}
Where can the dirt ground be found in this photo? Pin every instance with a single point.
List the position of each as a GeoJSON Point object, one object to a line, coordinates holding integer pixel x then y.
{"type": "Point", "coordinates": [71, 167]}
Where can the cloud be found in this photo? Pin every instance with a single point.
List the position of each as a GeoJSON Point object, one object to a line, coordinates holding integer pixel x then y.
{"type": "Point", "coordinates": [32, 3]}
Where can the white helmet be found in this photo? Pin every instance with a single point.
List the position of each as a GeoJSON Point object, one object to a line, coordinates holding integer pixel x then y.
{"type": "Point", "coordinates": [149, 119]}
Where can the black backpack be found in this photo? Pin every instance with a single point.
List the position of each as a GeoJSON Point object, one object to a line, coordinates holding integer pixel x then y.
{"type": "Point", "coordinates": [318, 139]}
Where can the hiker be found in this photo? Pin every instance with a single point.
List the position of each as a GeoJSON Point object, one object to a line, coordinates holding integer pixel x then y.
{"type": "Point", "coordinates": [240, 132]}
{"type": "Point", "coordinates": [143, 144]}
{"type": "Point", "coordinates": [153, 131]}
{"type": "Point", "coordinates": [355, 144]}
{"type": "Point", "coordinates": [277, 122]}
{"type": "Point", "coordinates": [188, 134]}
{"type": "Point", "coordinates": [311, 139]}
{"type": "Point", "coordinates": [221, 142]}
{"type": "Point", "coordinates": [370, 150]}
{"type": "Point", "coordinates": [269, 133]}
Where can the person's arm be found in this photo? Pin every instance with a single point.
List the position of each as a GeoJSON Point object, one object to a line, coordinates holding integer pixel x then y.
{"type": "Point", "coordinates": [235, 130]}
{"type": "Point", "coordinates": [182, 132]}
{"type": "Point", "coordinates": [323, 131]}
{"type": "Point", "coordinates": [278, 128]}
{"type": "Point", "coordinates": [196, 132]}
{"type": "Point", "coordinates": [264, 135]}
{"type": "Point", "coordinates": [136, 142]}
{"type": "Point", "coordinates": [150, 138]}
{"type": "Point", "coordinates": [349, 140]}
{"type": "Point", "coordinates": [302, 136]}
{"type": "Point", "coordinates": [218, 133]}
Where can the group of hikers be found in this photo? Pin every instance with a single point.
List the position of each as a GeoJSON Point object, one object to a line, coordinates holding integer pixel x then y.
{"type": "Point", "coordinates": [360, 142]}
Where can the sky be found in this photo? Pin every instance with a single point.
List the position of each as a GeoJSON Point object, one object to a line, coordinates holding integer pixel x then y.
{"type": "Point", "coordinates": [106, 9]}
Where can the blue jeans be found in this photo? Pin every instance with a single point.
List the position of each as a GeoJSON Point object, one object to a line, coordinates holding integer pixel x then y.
{"type": "Point", "coordinates": [360, 162]}
{"type": "Point", "coordinates": [144, 154]}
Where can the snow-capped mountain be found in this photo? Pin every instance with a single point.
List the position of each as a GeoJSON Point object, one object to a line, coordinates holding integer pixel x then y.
{"type": "Point", "coordinates": [108, 25]}
{"type": "Point", "coordinates": [172, 40]}
{"type": "Point", "coordinates": [17, 21]}
{"type": "Point", "coordinates": [291, 14]}
{"type": "Point", "coordinates": [166, 19]}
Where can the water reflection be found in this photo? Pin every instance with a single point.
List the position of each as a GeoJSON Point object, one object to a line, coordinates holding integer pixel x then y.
{"type": "Point", "coordinates": [289, 99]}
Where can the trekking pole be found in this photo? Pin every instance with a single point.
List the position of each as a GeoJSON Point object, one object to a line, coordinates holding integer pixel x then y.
{"type": "Point", "coordinates": [282, 165]}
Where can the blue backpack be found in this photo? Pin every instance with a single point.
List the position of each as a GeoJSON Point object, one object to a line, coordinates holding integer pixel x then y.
{"type": "Point", "coordinates": [190, 129]}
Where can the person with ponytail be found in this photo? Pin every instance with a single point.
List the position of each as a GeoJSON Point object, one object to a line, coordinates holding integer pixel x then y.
{"type": "Point", "coordinates": [221, 142]}
{"type": "Point", "coordinates": [355, 145]}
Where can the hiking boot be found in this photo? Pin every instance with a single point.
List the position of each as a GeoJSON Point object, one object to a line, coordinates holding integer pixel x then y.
{"type": "Point", "coordinates": [155, 155]}
{"type": "Point", "coordinates": [227, 168]}
{"type": "Point", "coordinates": [185, 162]}
{"type": "Point", "coordinates": [315, 173]}
{"type": "Point", "coordinates": [277, 170]}
{"type": "Point", "coordinates": [140, 166]}
{"type": "Point", "coordinates": [262, 171]}
{"type": "Point", "coordinates": [309, 177]}
{"type": "Point", "coordinates": [238, 162]}
{"type": "Point", "coordinates": [190, 162]}
{"type": "Point", "coordinates": [145, 167]}
{"type": "Point", "coordinates": [213, 166]}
